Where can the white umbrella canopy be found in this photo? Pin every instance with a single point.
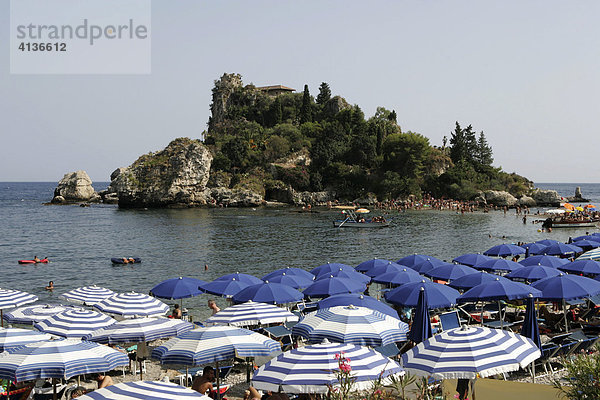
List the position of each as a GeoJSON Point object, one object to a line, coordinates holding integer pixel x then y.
{"type": "Point", "coordinates": [139, 330]}
{"type": "Point", "coordinates": [11, 338]}
{"type": "Point", "coordinates": [251, 313]}
{"type": "Point", "coordinates": [87, 295]}
{"type": "Point", "coordinates": [132, 305]}
{"type": "Point", "coordinates": [147, 390]}
{"type": "Point", "coordinates": [29, 315]}
{"type": "Point", "coordinates": [13, 298]}
{"type": "Point", "coordinates": [74, 324]}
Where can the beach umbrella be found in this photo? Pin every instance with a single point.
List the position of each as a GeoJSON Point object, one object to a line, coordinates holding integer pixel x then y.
{"type": "Point", "coordinates": [132, 305]}
{"type": "Point", "coordinates": [177, 288]}
{"type": "Point", "coordinates": [546, 261]}
{"type": "Point", "coordinates": [384, 268]}
{"type": "Point", "coordinates": [251, 313]}
{"type": "Point", "coordinates": [11, 338]}
{"type": "Point", "coordinates": [294, 281]}
{"type": "Point", "coordinates": [547, 242]}
{"type": "Point", "coordinates": [406, 275]}
{"type": "Point", "coordinates": [359, 300]}
{"type": "Point", "coordinates": [471, 259]}
{"type": "Point", "coordinates": [329, 287]}
{"type": "Point", "coordinates": [590, 255]}
{"type": "Point", "coordinates": [428, 265]}
{"type": "Point", "coordinates": [138, 330]}
{"type": "Point", "coordinates": [532, 273]}
{"type": "Point", "coordinates": [147, 390]}
{"type": "Point", "coordinates": [533, 248]}
{"type": "Point", "coordinates": [438, 295]}
{"type": "Point", "coordinates": [370, 264]}
{"type": "Point", "coordinates": [504, 250]}
{"type": "Point", "coordinates": [498, 289]}
{"type": "Point", "coordinates": [28, 315]}
{"type": "Point", "coordinates": [314, 368]}
{"type": "Point", "coordinates": [561, 249]}
{"type": "Point", "coordinates": [569, 206]}
{"type": "Point", "coordinates": [414, 259]}
{"type": "Point", "coordinates": [350, 324]}
{"type": "Point", "coordinates": [329, 267]}
{"type": "Point", "coordinates": [449, 272]}
{"type": "Point", "coordinates": [586, 267]}
{"type": "Point", "coordinates": [87, 295]}
{"type": "Point", "coordinates": [499, 264]}
{"type": "Point", "coordinates": [472, 280]}
{"type": "Point", "coordinates": [341, 273]}
{"type": "Point", "coordinates": [59, 359]}
{"type": "Point", "coordinates": [530, 327]}
{"type": "Point", "coordinates": [420, 329]}
{"type": "Point", "coordinates": [468, 352]}
{"type": "Point", "coordinates": [225, 288]}
{"type": "Point", "coordinates": [567, 287]}
{"type": "Point", "coordinates": [591, 237]}
{"type": "Point", "coordinates": [74, 324]}
{"type": "Point", "coordinates": [13, 298]}
{"type": "Point", "coordinates": [289, 271]}
{"type": "Point", "coordinates": [586, 244]}
{"type": "Point", "coordinates": [267, 292]}
{"type": "Point", "coordinates": [245, 278]}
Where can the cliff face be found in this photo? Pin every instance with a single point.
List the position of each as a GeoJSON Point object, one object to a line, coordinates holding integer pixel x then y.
{"type": "Point", "coordinates": [175, 176]}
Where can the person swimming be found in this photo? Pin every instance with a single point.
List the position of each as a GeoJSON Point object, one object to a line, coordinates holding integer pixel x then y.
{"type": "Point", "coordinates": [50, 285]}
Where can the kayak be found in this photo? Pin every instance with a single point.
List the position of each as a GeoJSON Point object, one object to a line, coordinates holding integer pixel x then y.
{"type": "Point", "coordinates": [116, 260]}
{"type": "Point", "coordinates": [45, 260]}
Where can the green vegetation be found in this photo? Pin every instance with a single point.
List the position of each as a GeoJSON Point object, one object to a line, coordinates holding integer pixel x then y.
{"type": "Point", "coordinates": [328, 144]}
{"type": "Point", "coordinates": [582, 381]}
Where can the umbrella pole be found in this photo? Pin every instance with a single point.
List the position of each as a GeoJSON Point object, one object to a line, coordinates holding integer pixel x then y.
{"type": "Point", "coordinates": [2, 317]}
{"type": "Point", "coordinates": [217, 373]}
{"type": "Point", "coordinates": [500, 315]}
{"type": "Point", "coordinates": [247, 369]}
{"type": "Point", "coordinates": [565, 314]}
{"type": "Point", "coordinates": [54, 396]}
{"type": "Point", "coordinates": [481, 316]}
{"type": "Point", "coordinates": [186, 376]}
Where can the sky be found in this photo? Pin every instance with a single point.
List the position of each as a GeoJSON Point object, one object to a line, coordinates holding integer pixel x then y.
{"type": "Point", "coordinates": [524, 72]}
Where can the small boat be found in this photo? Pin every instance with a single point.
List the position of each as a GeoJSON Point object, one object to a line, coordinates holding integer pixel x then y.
{"type": "Point", "coordinates": [567, 223]}
{"type": "Point", "coordinates": [352, 220]}
{"type": "Point", "coordinates": [45, 261]}
{"type": "Point", "coordinates": [126, 260]}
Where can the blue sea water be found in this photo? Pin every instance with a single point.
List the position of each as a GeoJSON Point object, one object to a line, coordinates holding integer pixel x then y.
{"type": "Point", "coordinates": [80, 241]}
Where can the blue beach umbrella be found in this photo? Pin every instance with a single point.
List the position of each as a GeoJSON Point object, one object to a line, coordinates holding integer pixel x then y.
{"type": "Point", "coordinates": [546, 261]}
{"type": "Point", "coordinates": [382, 269]}
{"type": "Point", "coordinates": [414, 259]}
{"type": "Point", "coordinates": [471, 259]}
{"type": "Point", "coordinates": [561, 249]}
{"type": "Point", "coordinates": [530, 327]}
{"type": "Point", "coordinates": [590, 255]}
{"type": "Point", "coordinates": [313, 369]}
{"type": "Point", "coordinates": [333, 285]}
{"type": "Point", "coordinates": [472, 280]}
{"type": "Point", "coordinates": [420, 329]}
{"type": "Point", "coordinates": [351, 324]}
{"type": "Point", "coordinates": [225, 288]}
{"type": "Point", "coordinates": [370, 264]}
{"type": "Point", "coordinates": [13, 298]}
{"type": "Point", "coordinates": [534, 248]}
{"type": "Point", "coordinates": [450, 272]}
{"type": "Point", "coordinates": [245, 278]}
{"type": "Point", "coordinates": [267, 292]}
{"type": "Point", "coordinates": [295, 281]}
{"type": "Point", "coordinates": [28, 315]}
{"type": "Point", "coordinates": [547, 242]}
{"type": "Point", "coordinates": [586, 244]}
{"type": "Point", "coordinates": [567, 287]}
{"type": "Point", "coordinates": [428, 265]}
{"type": "Point", "coordinates": [532, 273]}
{"type": "Point", "coordinates": [406, 275]}
{"type": "Point", "coordinates": [147, 390]}
{"type": "Point", "coordinates": [586, 267]}
{"type": "Point", "coordinates": [343, 273]}
{"type": "Point", "coordinates": [87, 295]}
{"type": "Point", "coordinates": [139, 330]}
{"type": "Point", "coordinates": [329, 267]}
{"type": "Point", "coordinates": [11, 338]}
{"type": "Point", "coordinates": [177, 288]}
{"type": "Point", "coordinates": [438, 295]}
{"type": "Point", "coordinates": [499, 264]}
{"type": "Point", "coordinates": [74, 324]}
{"type": "Point", "coordinates": [498, 289]}
{"type": "Point", "coordinates": [251, 313]}
{"type": "Point", "coordinates": [288, 271]}
{"type": "Point", "coordinates": [132, 305]}
{"type": "Point", "coordinates": [586, 237]}
{"type": "Point", "coordinates": [359, 300]}
{"type": "Point", "coordinates": [504, 250]}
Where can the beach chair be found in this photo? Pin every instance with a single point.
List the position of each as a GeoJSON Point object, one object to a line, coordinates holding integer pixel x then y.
{"type": "Point", "coordinates": [281, 334]}
{"type": "Point", "coordinates": [449, 320]}
{"type": "Point", "coordinates": [390, 350]}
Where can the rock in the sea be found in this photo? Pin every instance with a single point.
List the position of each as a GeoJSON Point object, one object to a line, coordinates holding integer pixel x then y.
{"type": "Point", "coordinates": [578, 194]}
{"type": "Point", "coordinates": [500, 198]}
{"type": "Point", "coordinates": [173, 177]}
{"type": "Point", "coordinates": [75, 187]}
{"type": "Point", "coordinates": [546, 197]}
{"type": "Point", "coordinates": [480, 198]}
{"type": "Point", "coordinates": [236, 197]}
{"type": "Point", "coordinates": [527, 201]}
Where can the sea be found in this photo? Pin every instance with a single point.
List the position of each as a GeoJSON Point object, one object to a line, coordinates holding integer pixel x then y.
{"type": "Point", "coordinates": [79, 241]}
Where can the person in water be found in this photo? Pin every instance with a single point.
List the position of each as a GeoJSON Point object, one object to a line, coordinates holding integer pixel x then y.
{"type": "Point", "coordinates": [50, 285]}
{"type": "Point", "coordinates": [36, 259]}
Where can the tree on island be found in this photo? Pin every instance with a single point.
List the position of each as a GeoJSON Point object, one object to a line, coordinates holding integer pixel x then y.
{"type": "Point", "coordinates": [324, 93]}
{"type": "Point", "coordinates": [306, 110]}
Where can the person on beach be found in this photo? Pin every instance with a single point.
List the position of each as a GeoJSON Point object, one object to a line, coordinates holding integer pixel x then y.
{"type": "Point", "coordinates": [176, 312]}
{"type": "Point", "coordinates": [462, 387]}
{"type": "Point", "coordinates": [79, 391]}
{"type": "Point", "coordinates": [104, 381]}
{"type": "Point", "coordinates": [203, 384]}
{"type": "Point", "coordinates": [213, 306]}
{"type": "Point", "coordinates": [50, 285]}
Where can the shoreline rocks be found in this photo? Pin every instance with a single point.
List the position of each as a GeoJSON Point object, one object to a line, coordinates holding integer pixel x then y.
{"type": "Point", "coordinates": [75, 187]}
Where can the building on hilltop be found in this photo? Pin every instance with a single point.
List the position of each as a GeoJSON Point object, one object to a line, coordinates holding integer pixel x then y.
{"type": "Point", "coordinates": [275, 90]}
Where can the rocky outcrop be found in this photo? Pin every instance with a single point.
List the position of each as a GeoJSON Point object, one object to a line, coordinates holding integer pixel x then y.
{"type": "Point", "coordinates": [369, 199]}
{"type": "Point", "coordinates": [223, 89]}
{"type": "Point", "coordinates": [480, 198]}
{"type": "Point", "coordinates": [578, 198]}
{"type": "Point", "coordinates": [527, 201]}
{"type": "Point", "coordinates": [546, 197]}
{"type": "Point", "coordinates": [173, 177]}
{"type": "Point", "coordinates": [75, 187]}
{"type": "Point", "coordinates": [336, 104]}
{"type": "Point", "coordinates": [235, 197]}
{"type": "Point", "coordinates": [499, 198]}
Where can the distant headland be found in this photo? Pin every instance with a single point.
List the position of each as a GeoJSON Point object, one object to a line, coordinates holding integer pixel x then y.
{"type": "Point", "coordinates": [271, 144]}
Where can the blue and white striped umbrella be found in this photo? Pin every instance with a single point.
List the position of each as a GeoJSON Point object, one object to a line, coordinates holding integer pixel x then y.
{"type": "Point", "coordinates": [251, 313]}
{"type": "Point", "coordinates": [29, 315]}
{"type": "Point", "coordinates": [590, 255]}
{"type": "Point", "coordinates": [311, 369]}
{"type": "Point", "coordinates": [350, 324]}
{"type": "Point", "coordinates": [139, 330]}
{"type": "Point", "coordinates": [58, 358]}
{"type": "Point", "coordinates": [87, 295]}
{"type": "Point", "coordinates": [74, 324]}
{"type": "Point", "coordinates": [15, 298]}
{"type": "Point", "coordinates": [462, 353]}
{"type": "Point", "coordinates": [132, 305]}
{"type": "Point", "coordinates": [11, 338]}
{"type": "Point", "coordinates": [214, 344]}
{"type": "Point", "coordinates": [147, 390]}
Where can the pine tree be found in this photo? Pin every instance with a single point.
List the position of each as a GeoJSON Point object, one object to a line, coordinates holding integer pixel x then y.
{"type": "Point", "coordinates": [458, 148]}
{"type": "Point", "coordinates": [393, 117]}
{"type": "Point", "coordinates": [305, 111]}
{"type": "Point", "coordinates": [484, 151]}
{"type": "Point", "coordinates": [324, 93]}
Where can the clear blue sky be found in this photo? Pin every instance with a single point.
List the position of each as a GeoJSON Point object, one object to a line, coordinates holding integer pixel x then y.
{"type": "Point", "coordinates": [524, 72]}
